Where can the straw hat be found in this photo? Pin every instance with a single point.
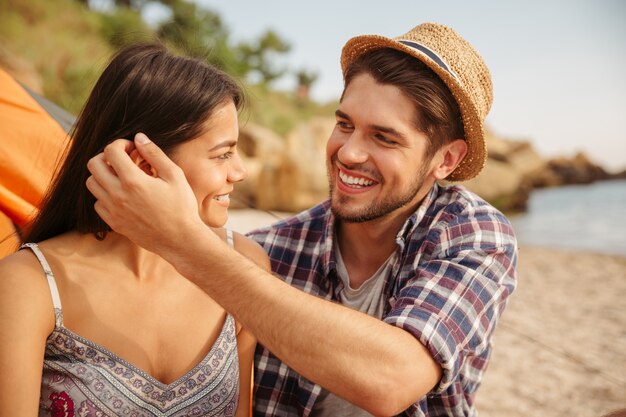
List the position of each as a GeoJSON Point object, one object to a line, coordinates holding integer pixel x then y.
{"type": "Point", "coordinates": [460, 67]}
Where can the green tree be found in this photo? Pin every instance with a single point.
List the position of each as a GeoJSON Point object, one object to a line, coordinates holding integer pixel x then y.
{"type": "Point", "coordinates": [131, 4]}
{"type": "Point", "coordinates": [195, 31]}
{"type": "Point", "coordinates": [200, 33]}
{"type": "Point", "coordinates": [258, 57]}
{"type": "Point", "coordinates": [124, 26]}
{"type": "Point", "coordinates": [305, 79]}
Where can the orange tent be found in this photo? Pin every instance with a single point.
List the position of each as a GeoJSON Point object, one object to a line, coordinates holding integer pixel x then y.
{"type": "Point", "coordinates": [33, 133]}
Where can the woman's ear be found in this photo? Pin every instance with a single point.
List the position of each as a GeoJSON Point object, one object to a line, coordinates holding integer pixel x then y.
{"type": "Point", "coordinates": [142, 163]}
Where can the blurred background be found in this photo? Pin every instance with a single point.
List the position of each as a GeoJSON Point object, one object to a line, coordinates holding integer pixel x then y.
{"type": "Point", "coordinates": [557, 148]}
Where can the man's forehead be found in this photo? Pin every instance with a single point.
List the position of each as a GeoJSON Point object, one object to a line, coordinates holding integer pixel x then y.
{"type": "Point", "coordinates": [377, 104]}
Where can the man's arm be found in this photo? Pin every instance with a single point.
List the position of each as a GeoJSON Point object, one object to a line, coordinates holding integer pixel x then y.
{"type": "Point", "coordinates": [378, 367]}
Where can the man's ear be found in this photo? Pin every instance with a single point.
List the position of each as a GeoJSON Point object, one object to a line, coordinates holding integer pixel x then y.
{"type": "Point", "coordinates": [142, 163]}
{"type": "Point", "coordinates": [451, 156]}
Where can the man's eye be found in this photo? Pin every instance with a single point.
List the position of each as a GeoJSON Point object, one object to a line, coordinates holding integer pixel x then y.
{"type": "Point", "coordinates": [226, 155]}
{"type": "Point", "coordinates": [384, 139]}
{"type": "Point", "coordinates": [344, 125]}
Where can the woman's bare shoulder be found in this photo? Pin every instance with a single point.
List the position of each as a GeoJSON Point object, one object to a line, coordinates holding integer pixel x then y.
{"type": "Point", "coordinates": [247, 247]}
{"type": "Point", "coordinates": [21, 266]}
{"type": "Point", "coordinates": [24, 289]}
{"type": "Point", "coordinates": [251, 250]}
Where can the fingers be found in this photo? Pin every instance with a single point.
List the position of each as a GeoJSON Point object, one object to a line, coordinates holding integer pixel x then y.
{"type": "Point", "coordinates": [103, 175]}
{"type": "Point", "coordinates": [100, 169]}
{"type": "Point", "coordinates": [141, 163]}
{"type": "Point", "coordinates": [155, 157]}
{"type": "Point", "coordinates": [104, 185]}
{"type": "Point", "coordinates": [104, 214]}
{"type": "Point", "coordinates": [95, 188]}
{"type": "Point", "coordinates": [127, 145]}
{"type": "Point", "coordinates": [116, 155]}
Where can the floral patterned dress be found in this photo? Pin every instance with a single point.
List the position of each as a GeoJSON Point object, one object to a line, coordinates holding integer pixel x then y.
{"type": "Point", "coordinates": [82, 378]}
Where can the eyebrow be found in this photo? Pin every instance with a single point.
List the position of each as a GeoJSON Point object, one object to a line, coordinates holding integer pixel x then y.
{"type": "Point", "coordinates": [225, 144]}
{"type": "Point", "coordinates": [384, 129]}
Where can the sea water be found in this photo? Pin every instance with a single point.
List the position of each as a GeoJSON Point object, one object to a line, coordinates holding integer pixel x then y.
{"type": "Point", "coordinates": [583, 217]}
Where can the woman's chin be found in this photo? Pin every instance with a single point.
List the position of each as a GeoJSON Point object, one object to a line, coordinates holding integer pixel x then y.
{"type": "Point", "coordinates": [215, 221]}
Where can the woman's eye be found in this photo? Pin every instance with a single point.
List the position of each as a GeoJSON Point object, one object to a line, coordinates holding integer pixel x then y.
{"type": "Point", "coordinates": [226, 155]}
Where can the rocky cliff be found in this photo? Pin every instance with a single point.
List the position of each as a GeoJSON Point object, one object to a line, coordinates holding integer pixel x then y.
{"type": "Point", "coordinates": [289, 174]}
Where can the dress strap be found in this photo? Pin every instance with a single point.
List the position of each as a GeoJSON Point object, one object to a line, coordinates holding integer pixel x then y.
{"type": "Point", "coordinates": [229, 238]}
{"type": "Point", "coordinates": [54, 291]}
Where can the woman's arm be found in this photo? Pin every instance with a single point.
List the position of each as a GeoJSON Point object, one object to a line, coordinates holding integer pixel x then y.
{"type": "Point", "coordinates": [246, 342]}
{"type": "Point", "coordinates": [26, 320]}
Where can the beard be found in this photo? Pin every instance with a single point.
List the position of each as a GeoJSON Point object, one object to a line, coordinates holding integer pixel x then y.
{"type": "Point", "coordinates": [340, 205]}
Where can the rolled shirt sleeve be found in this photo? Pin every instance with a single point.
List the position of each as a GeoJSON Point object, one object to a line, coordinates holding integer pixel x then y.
{"type": "Point", "coordinates": [459, 289]}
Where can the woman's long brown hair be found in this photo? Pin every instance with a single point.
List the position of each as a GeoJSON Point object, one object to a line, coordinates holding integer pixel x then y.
{"type": "Point", "coordinates": [145, 89]}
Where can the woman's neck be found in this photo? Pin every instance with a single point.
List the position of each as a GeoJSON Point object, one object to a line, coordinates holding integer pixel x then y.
{"type": "Point", "coordinates": [115, 251]}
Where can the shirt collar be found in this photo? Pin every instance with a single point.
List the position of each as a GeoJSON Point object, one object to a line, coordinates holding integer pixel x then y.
{"type": "Point", "coordinates": [407, 229]}
{"type": "Point", "coordinates": [328, 237]}
{"type": "Point", "coordinates": [416, 218]}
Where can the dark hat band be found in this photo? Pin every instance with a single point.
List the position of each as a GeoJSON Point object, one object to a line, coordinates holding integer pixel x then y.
{"type": "Point", "coordinates": [431, 54]}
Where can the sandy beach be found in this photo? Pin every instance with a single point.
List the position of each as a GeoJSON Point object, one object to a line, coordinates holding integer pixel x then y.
{"type": "Point", "coordinates": [560, 349]}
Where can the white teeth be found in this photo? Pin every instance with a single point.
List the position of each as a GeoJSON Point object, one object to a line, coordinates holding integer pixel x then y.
{"type": "Point", "coordinates": [223, 197]}
{"type": "Point", "coordinates": [361, 182]}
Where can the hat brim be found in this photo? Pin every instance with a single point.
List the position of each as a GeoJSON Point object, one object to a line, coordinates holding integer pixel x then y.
{"type": "Point", "coordinates": [474, 160]}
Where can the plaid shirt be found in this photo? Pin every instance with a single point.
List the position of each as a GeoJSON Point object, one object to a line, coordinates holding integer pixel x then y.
{"type": "Point", "coordinates": [456, 270]}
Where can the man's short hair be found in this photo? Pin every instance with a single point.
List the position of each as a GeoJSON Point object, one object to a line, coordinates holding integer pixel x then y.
{"type": "Point", "coordinates": [436, 111]}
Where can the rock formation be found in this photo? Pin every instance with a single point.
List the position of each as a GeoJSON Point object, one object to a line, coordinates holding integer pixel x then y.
{"type": "Point", "coordinates": [285, 174]}
{"type": "Point", "coordinates": [289, 174]}
{"type": "Point", "coordinates": [563, 171]}
{"type": "Point", "coordinates": [505, 179]}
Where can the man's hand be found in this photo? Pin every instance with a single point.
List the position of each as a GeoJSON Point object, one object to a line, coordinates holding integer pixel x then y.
{"type": "Point", "coordinates": [153, 212]}
{"type": "Point", "coordinates": [350, 353]}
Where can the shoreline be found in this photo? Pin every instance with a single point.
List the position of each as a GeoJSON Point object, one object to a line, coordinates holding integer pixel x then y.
{"type": "Point", "coordinates": [243, 220]}
{"type": "Point", "coordinates": [570, 250]}
{"type": "Point", "coordinates": [559, 349]}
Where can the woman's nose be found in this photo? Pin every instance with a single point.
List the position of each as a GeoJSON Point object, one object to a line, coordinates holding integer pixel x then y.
{"type": "Point", "coordinates": [237, 170]}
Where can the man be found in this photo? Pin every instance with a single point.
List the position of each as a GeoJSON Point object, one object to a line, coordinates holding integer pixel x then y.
{"type": "Point", "coordinates": [390, 290]}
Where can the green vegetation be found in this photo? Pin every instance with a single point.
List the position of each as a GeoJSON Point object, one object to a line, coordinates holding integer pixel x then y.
{"type": "Point", "coordinates": [53, 46]}
{"type": "Point", "coordinates": [281, 111]}
{"type": "Point", "coordinates": [60, 47]}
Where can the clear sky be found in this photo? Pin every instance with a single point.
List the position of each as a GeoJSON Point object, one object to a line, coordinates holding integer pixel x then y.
{"type": "Point", "coordinates": [558, 65]}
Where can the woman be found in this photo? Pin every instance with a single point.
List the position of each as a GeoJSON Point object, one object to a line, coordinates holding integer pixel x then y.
{"type": "Point", "coordinates": [90, 323]}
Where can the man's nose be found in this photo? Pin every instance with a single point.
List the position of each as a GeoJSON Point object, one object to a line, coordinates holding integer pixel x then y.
{"type": "Point", "coordinates": [353, 150]}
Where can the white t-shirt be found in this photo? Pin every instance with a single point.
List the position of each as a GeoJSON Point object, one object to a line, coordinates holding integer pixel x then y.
{"type": "Point", "coordinates": [368, 298]}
